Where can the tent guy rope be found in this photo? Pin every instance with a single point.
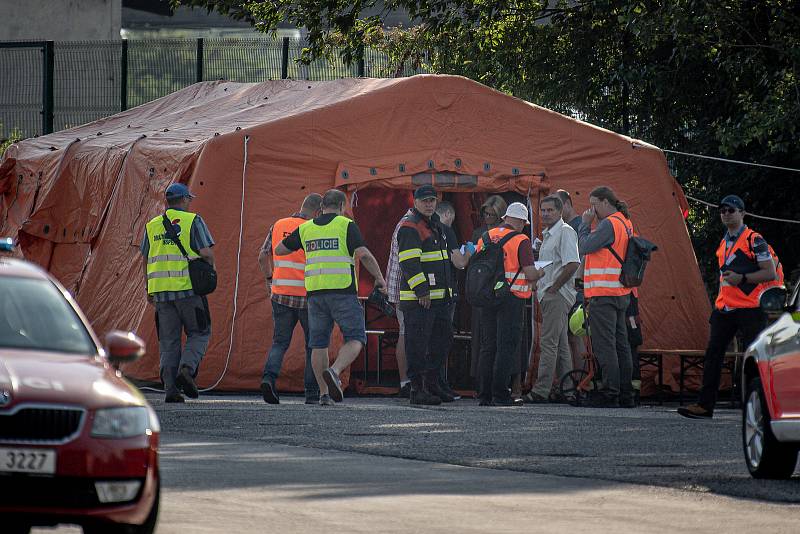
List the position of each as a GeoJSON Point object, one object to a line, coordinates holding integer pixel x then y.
{"type": "Point", "coordinates": [710, 205]}
{"type": "Point", "coordinates": [238, 269]}
{"type": "Point", "coordinates": [725, 160]}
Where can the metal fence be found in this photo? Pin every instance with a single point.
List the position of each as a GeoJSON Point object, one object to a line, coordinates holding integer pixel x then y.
{"type": "Point", "coordinates": [47, 86]}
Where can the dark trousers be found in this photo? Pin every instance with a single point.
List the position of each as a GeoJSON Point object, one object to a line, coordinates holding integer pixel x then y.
{"type": "Point", "coordinates": [607, 318]}
{"type": "Point", "coordinates": [724, 326]}
{"type": "Point", "coordinates": [501, 334]}
{"type": "Point", "coordinates": [443, 367]}
{"type": "Point", "coordinates": [284, 321]}
{"type": "Point", "coordinates": [429, 334]}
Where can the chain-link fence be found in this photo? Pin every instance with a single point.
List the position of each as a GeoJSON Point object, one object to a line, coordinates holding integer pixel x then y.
{"type": "Point", "coordinates": [49, 86]}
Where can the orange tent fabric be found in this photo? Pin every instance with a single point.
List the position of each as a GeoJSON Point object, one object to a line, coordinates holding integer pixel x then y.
{"type": "Point", "coordinates": [78, 199]}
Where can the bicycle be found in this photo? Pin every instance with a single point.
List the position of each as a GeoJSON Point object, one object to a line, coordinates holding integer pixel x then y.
{"type": "Point", "coordinates": [577, 384]}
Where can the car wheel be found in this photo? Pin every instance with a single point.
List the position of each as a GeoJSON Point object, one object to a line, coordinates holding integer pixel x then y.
{"type": "Point", "coordinates": [766, 457]}
{"type": "Point", "coordinates": [148, 527]}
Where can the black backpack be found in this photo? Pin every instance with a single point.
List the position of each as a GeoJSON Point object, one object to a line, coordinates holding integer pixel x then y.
{"type": "Point", "coordinates": [636, 257]}
{"type": "Point", "coordinates": [486, 283]}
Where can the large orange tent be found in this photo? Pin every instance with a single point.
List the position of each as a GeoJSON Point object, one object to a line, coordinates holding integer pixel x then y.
{"type": "Point", "coordinates": [78, 200]}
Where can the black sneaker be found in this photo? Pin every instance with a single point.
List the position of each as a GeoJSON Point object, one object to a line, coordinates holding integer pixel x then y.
{"type": "Point", "coordinates": [334, 384]}
{"type": "Point", "coordinates": [185, 381]}
{"type": "Point", "coordinates": [326, 400]}
{"type": "Point", "coordinates": [485, 402]}
{"type": "Point", "coordinates": [695, 411]}
{"type": "Point", "coordinates": [601, 400]}
{"type": "Point", "coordinates": [174, 396]}
{"type": "Point", "coordinates": [627, 402]}
{"type": "Point", "coordinates": [405, 391]}
{"type": "Point", "coordinates": [450, 391]}
{"type": "Point", "coordinates": [312, 399]}
{"type": "Point", "coordinates": [424, 398]}
{"type": "Point", "coordinates": [436, 389]}
{"type": "Point", "coordinates": [269, 394]}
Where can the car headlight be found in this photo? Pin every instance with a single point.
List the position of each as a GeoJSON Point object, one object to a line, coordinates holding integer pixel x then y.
{"type": "Point", "coordinates": [120, 422]}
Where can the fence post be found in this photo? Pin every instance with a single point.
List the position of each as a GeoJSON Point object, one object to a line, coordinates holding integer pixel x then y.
{"type": "Point", "coordinates": [47, 87]}
{"type": "Point", "coordinates": [199, 75]}
{"type": "Point", "coordinates": [123, 78]}
{"type": "Point", "coordinates": [285, 59]}
{"type": "Point", "coordinates": [360, 64]}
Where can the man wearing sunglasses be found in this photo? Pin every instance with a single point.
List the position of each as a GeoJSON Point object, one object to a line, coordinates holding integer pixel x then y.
{"type": "Point", "coordinates": [746, 267]}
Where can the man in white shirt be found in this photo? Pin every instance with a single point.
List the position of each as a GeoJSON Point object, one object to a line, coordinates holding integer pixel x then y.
{"type": "Point", "coordinates": [556, 294]}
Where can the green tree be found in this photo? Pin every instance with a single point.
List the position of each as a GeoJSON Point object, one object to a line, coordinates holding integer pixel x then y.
{"type": "Point", "coordinates": [715, 78]}
{"type": "Point", "coordinates": [15, 136]}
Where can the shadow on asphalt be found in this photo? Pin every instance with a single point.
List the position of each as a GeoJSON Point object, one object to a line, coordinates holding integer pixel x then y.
{"type": "Point", "coordinates": [650, 445]}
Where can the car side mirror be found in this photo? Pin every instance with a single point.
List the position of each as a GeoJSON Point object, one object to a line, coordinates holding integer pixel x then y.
{"type": "Point", "coordinates": [773, 300]}
{"type": "Point", "coordinates": [123, 347]}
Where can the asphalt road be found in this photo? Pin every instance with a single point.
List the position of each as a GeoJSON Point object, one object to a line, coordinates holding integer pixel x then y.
{"type": "Point", "coordinates": [649, 445]}
{"type": "Point", "coordinates": [236, 464]}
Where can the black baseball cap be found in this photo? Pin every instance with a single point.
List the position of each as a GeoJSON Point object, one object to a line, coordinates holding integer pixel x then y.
{"type": "Point", "coordinates": [425, 191]}
{"type": "Point", "coordinates": [733, 201]}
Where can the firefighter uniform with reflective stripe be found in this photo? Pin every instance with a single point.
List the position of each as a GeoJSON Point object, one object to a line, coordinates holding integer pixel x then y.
{"type": "Point", "coordinates": [425, 272]}
{"type": "Point", "coordinates": [424, 261]}
{"type": "Point", "coordinates": [520, 286]}
{"type": "Point", "coordinates": [167, 268]}
{"type": "Point", "coordinates": [288, 273]}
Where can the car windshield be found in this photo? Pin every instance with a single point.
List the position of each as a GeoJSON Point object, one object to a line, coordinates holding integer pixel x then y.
{"type": "Point", "coordinates": [35, 316]}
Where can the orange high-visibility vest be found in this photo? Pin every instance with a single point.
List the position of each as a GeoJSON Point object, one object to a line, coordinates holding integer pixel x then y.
{"type": "Point", "coordinates": [732, 296]}
{"type": "Point", "coordinates": [521, 288]}
{"type": "Point", "coordinates": [288, 274]}
{"type": "Point", "coordinates": [602, 271]}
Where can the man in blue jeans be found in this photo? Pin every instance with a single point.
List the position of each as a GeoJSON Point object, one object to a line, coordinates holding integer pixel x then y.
{"type": "Point", "coordinates": [285, 280]}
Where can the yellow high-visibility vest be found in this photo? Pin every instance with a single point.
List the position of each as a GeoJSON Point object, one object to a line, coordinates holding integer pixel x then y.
{"type": "Point", "coordinates": [167, 269]}
{"type": "Point", "coordinates": [328, 262]}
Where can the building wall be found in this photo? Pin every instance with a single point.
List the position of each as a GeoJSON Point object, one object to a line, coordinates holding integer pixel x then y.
{"type": "Point", "coordinates": [60, 20]}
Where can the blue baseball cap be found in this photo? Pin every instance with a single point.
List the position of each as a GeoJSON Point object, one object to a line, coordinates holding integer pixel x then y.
{"type": "Point", "coordinates": [176, 191]}
{"type": "Point", "coordinates": [733, 201]}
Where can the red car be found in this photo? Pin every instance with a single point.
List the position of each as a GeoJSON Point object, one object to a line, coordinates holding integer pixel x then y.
{"type": "Point", "coordinates": [78, 443]}
{"type": "Point", "coordinates": [771, 395]}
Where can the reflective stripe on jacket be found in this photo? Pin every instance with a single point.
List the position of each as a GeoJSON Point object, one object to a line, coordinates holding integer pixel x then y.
{"type": "Point", "coordinates": [423, 259]}
{"type": "Point", "coordinates": [329, 264]}
{"type": "Point", "coordinates": [602, 271]}
{"type": "Point", "coordinates": [288, 273]}
{"type": "Point", "coordinates": [167, 269]}
{"type": "Point", "coordinates": [733, 297]}
{"type": "Point", "coordinates": [520, 288]}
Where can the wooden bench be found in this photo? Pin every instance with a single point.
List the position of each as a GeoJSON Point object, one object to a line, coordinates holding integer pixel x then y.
{"type": "Point", "coordinates": [385, 338]}
{"type": "Point", "coordinates": [691, 360]}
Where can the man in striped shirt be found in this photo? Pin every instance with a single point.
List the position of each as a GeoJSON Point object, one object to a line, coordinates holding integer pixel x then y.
{"type": "Point", "coordinates": [284, 278]}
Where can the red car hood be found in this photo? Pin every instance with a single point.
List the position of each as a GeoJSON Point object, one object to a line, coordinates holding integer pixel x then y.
{"type": "Point", "coordinates": [57, 378]}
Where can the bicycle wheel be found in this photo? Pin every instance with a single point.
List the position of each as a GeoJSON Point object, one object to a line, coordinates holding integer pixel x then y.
{"type": "Point", "coordinates": [571, 388]}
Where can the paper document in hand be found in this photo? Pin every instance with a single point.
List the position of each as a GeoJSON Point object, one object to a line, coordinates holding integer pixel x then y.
{"type": "Point", "coordinates": [542, 264]}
